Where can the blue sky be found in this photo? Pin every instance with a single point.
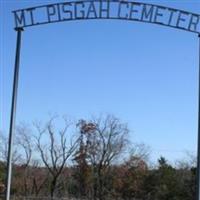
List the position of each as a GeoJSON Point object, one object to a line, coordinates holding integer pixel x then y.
{"type": "Point", "coordinates": [144, 74]}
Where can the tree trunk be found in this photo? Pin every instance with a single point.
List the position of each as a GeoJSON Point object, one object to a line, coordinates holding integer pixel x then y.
{"type": "Point", "coordinates": [100, 184]}
{"type": "Point", "coordinates": [53, 187]}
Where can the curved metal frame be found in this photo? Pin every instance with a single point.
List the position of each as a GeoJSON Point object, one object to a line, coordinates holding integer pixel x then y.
{"type": "Point", "coordinates": [129, 4]}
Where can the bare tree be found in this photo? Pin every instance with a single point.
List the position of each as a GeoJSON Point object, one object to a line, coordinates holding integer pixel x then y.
{"type": "Point", "coordinates": [55, 149]}
{"type": "Point", "coordinates": [139, 153]}
{"type": "Point", "coordinates": [24, 140]}
{"type": "Point", "coordinates": [4, 150]}
{"type": "Point", "coordinates": [3, 147]}
{"type": "Point", "coordinates": [106, 140]}
{"type": "Point", "coordinates": [25, 147]}
{"type": "Point", "coordinates": [39, 178]}
{"type": "Point", "coordinates": [16, 157]}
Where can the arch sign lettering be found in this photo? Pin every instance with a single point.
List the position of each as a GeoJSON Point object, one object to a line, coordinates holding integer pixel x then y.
{"type": "Point", "coordinates": [122, 10]}
{"type": "Point", "coordinates": [94, 10]}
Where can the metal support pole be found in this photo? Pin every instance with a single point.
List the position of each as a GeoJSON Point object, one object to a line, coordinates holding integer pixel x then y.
{"type": "Point", "coordinates": [13, 113]}
{"type": "Point", "coordinates": [198, 142]}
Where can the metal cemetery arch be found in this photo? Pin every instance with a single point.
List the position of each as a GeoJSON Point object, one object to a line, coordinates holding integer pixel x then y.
{"type": "Point", "coordinates": [105, 9]}
{"type": "Point", "coordinates": [99, 9]}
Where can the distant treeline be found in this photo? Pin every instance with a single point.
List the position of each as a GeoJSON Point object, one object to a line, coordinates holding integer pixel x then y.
{"type": "Point", "coordinates": [92, 159]}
